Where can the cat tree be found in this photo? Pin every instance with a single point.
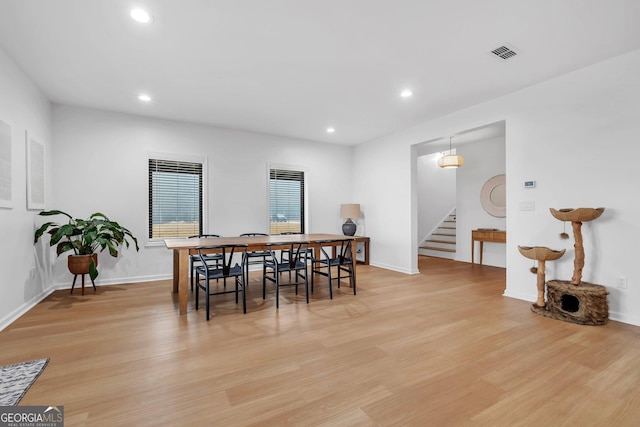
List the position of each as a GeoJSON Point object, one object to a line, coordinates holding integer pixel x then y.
{"type": "Point", "coordinates": [570, 300]}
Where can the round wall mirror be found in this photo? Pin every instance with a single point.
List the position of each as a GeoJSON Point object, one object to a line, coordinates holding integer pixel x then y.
{"type": "Point", "coordinates": [493, 196]}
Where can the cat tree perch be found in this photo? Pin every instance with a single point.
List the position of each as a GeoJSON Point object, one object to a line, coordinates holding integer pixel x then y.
{"type": "Point", "coordinates": [540, 254]}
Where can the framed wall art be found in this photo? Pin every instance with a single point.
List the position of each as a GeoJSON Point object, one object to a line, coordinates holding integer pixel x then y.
{"type": "Point", "coordinates": [6, 200]}
{"type": "Point", "coordinates": [35, 173]}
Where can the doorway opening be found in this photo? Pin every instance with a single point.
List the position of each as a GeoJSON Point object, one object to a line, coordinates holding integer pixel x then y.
{"type": "Point", "coordinates": [447, 203]}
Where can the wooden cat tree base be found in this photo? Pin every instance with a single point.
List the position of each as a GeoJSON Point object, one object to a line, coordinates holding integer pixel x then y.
{"type": "Point", "coordinates": [585, 304]}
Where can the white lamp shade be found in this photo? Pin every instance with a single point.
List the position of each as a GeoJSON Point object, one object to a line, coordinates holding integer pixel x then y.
{"type": "Point", "coordinates": [450, 161]}
{"type": "Point", "coordinates": [350, 210]}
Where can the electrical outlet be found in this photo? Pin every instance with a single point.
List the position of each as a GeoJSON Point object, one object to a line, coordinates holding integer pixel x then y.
{"type": "Point", "coordinates": [622, 282]}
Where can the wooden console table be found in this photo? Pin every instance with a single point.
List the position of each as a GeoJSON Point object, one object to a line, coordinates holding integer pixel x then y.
{"type": "Point", "coordinates": [364, 240]}
{"type": "Point", "coordinates": [480, 235]}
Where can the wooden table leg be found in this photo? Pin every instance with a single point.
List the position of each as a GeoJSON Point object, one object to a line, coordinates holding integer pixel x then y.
{"type": "Point", "coordinates": [473, 247]}
{"type": "Point", "coordinates": [366, 252]}
{"type": "Point", "coordinates": [481, 250]}
{"type": "Point", "coordinates": [354, 251]}
{"type": "Point", "coordinates": [181, 277]}
{"type": "Point", "coordinates": [176, 269]}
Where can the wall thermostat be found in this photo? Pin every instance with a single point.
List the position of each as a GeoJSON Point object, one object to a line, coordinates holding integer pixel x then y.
{"type": "Point", "coordinates": [529, 184]}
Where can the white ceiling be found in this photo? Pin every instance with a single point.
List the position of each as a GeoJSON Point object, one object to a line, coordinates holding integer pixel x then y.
{"type": "Point", "coordinates": [295, 67]}
{"type": "Point", "coordinates": [461, 138]}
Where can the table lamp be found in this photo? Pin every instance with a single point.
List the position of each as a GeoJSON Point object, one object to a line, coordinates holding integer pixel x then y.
{"type": "Point", "coordinates": [348, 211]}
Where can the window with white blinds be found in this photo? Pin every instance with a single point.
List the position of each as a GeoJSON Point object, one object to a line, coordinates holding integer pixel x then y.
{"type": "Point", "coordinates": [175, 198]}
{"type": "Point", "coordinates": [286, 201]}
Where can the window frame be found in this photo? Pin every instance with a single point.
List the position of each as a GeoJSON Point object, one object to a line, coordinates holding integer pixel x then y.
{"type": "Point", "coordinates": [293, 168]}
{"type": "Point", "coordinates": [176, 157]}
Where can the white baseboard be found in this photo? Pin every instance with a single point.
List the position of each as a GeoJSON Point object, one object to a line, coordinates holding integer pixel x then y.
{"type": "Point", "coordinates": [394, 268]}
{"type": "Point", "coordinates": [116, 281]}
{"type": "Point", "coordinates": [631, 320]}
{"type": "Point", "coordinates": [18, 312]}
{"type": "Point", "coordinates": [520, 296]}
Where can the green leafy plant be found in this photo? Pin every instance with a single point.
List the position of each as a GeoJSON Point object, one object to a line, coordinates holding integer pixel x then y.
{"type": "Point", "coordinates": [86, 236]}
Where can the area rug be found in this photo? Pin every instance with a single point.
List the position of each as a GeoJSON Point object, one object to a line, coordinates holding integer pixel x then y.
{"type": "Point", "coordinates": [15, 380]}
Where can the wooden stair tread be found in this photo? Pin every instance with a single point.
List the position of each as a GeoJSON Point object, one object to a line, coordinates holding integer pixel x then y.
{"type": "Point", "coordinates": [445, 230]}
{"type": "Point", "coordinates": [433, 248]}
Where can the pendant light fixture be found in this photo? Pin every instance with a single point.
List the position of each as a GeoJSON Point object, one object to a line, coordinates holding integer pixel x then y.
{"type": "Point", "coordinates": [450, 160]}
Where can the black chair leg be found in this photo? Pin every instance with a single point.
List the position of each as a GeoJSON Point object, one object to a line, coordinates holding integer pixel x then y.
{"type": "Point", "coordinates": [244, 295]}
{"type": "Point", "coordinates": [276, 276]}
{"type": "Point", "coordinates": [313, 273]}
{"type": "Point", "coordinates": [264, 284]}
{"type": "Point", "coordinates": [191, 270]}
{"type": "Point", "coordinates": [197, 291]}
{"type": "Point", "coordinates": [353, 279]}
{"type": "Point", "coordinates": [208, 296]}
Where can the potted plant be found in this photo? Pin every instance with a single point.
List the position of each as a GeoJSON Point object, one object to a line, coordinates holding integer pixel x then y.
{"type": "Point", "coordinates": [85, 237]}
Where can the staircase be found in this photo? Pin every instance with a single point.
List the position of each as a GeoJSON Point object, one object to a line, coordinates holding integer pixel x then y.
{"type": "Point", "coordinates": [441, 242]}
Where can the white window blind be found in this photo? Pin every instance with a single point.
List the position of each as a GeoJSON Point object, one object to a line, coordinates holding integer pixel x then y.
{"type": "Point", "coordinates": [175, 199]}
{"type": "Point", "coordinates": [286, 201]}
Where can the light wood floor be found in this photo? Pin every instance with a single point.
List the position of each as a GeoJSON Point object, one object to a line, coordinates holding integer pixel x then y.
{"type": "Point", "coordinates": [442, 348]}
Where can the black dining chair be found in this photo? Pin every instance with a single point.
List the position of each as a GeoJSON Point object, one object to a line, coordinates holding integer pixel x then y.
{"type": "Point", "coordinates": [224, 270]}
{"type": "Point", "coordinates": [285, 252]}
{"type": "Point", "coordinates": [258, 256]}
{"type": "Point", "coordinates": [343, 262]}
{"type": "Point", "coordinates": [194, 260]}
{"type": "Point", "coordinates": [295, 263]}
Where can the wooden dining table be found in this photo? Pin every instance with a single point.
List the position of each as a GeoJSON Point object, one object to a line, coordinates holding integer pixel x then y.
{"type": "Point", "coordinates": [183, 248]}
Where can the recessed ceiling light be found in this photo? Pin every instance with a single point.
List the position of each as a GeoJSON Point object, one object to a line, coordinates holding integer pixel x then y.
{"type": "Point", "coordinates": [330, 130]}
{"type": "Point", "coordinates": [144, 97]}
{"type": "Point", "coordinates": [141, 16]}
{"type": "Point", "coordinates": [406, 93]}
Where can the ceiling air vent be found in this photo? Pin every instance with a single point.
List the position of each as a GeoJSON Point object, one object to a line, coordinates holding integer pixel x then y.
{"type": "Point", "coordinates": [504, 52]}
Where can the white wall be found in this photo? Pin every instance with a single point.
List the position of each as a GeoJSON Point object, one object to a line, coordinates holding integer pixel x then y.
{"type": "Point", "coordinates": [100, 165]}
{"type": "Point", "coordinates": [24, 108]}
{"type": "Point", "coordinates": [436, 193]}
{"type": "Point", "coordinates": [576, 135]}
{"type": "Point", "coordinates": [383, 179]}
{"type": "Point", "coordinates": [482, 160]}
